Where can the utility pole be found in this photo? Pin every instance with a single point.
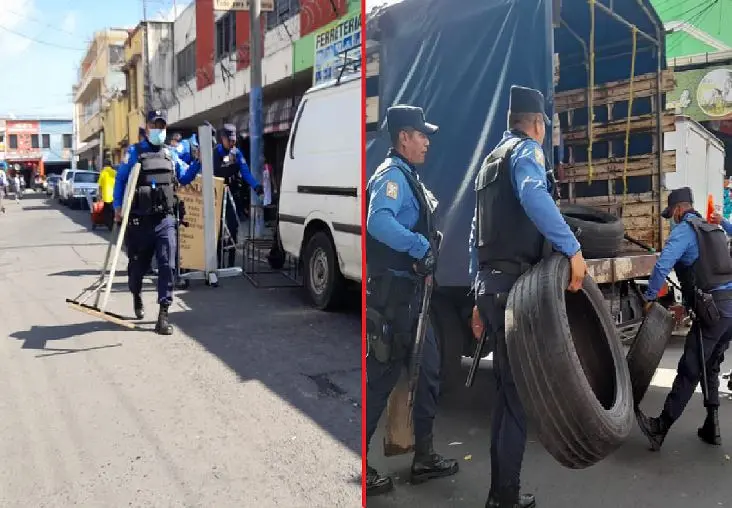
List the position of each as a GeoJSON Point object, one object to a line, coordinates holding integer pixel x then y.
{"type": "Point", "coordinates": [146, 55]}
{"type": "Point", "coordinates": [256, 216]}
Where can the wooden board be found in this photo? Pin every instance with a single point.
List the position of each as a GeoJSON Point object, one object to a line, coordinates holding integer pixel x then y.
{"type": "Point", "coordinates": [192, 250]}
{"type": "Point", "coordinates": [606, 169]}
{"type": "Point", "coordinates": [399, 438]}
{"type": "Point", "coordinates": [617, 128]}
{"type": "Point", "coordinates": [614, 91]}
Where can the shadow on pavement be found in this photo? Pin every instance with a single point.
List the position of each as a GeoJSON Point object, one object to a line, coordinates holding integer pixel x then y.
{"type": "Point", "coordinates": [309, 358]}
{"type": "Point", "coordinates": [60, 351]}
{"type": "Point", "coordinates": [38, 336]}
{"type": "Point", "coordinates": [83, 273]}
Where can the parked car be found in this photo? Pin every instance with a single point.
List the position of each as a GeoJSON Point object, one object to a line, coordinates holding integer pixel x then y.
{"type": "Point", "coordinates": [320, 200]}
{"type": "Point", "coordinates": [77, 186]}
{"type": "Point", "coordinates": [52, 184]}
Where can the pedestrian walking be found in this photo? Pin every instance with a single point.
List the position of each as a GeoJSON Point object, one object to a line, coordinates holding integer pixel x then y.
{"type": "Point", "coordinates": [697, 251]}
{"type": "Point", "coordinates": [516, 223]}
{"type": "Point", "coordinates": [401, 252]}
{"type": "Point", "coordinates": [152, 223]}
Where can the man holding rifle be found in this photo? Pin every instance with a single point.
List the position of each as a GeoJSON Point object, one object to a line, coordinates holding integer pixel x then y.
{"type": "Point", "coordinates": [515, 225]}
{"type": "Point", "coordinates": [697, 251]}
{"type": "Point", "coordinates": [401, 249]}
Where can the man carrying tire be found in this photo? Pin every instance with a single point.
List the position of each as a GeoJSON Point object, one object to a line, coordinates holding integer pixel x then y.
{"type": "Point", "coordinates": [515, 225]}
{"type": "Point", "coordinates": [698, 253]}
{"type": "Point", "coordinates": [400, 252]}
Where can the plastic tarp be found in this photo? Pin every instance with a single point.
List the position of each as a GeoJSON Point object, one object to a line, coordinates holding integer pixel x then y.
{"type": "Point", "coordinates": [457, 59]}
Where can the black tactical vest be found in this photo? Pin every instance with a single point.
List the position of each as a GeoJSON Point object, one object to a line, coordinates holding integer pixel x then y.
{"type": "Point", "coordinates": [379, 256]}
{"type": "Point", "coordinates": [155, 189]}
{"type": "Point", "coordinates": [506, 238]}
{"type": "Point", "coordinates": [225, 166]}
{"type": "Point", "coordinates": [713, 267]}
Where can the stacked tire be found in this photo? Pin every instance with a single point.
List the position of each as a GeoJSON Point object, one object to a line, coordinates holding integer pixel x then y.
{"type": "Point", "coordinates": [568, 365]}
{"type": "Point", "coordinates": [599, 233]}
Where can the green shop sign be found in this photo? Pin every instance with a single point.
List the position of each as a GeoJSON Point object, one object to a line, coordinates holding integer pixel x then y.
{"type": "Point", "coordinates": [703, 94]}
{"type": "Point", "coordinates": [331, 44]}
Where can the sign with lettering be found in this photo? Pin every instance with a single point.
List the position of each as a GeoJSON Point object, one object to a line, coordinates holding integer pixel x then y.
{"type": "Point", "coordinates": [334, 44]}
{"type": "Point", "coordinates": [703, 94]}
{"type": "Point", "coordinates": [241, 5]}
{"type": "Point", "coordinates": [192, 249]}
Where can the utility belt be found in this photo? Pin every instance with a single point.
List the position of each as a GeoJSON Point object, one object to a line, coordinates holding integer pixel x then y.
{"type": "Point", "coordinates": [704, 305]}
{"type": "Point", "coordinates": [392, 311]}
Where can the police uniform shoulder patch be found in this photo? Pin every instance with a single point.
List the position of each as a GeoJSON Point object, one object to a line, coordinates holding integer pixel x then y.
{"type": "Point", "coordinates": [392, 190]}
{"type": "Point", "coordinates": [539, 155]}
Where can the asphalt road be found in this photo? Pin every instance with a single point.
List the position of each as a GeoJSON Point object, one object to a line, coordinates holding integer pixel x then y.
{"type": "Point", "coordinates": [253, 402]}
{"type": "Point", "coordinates": [685, 473]}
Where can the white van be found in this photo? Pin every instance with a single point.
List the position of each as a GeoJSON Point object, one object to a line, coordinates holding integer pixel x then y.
{"type": "Point", "coordinates": [320, 196]}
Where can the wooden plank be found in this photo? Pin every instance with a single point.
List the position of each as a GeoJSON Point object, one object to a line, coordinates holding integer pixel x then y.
{"type": "Point", "coordinates": [616, 128]}
{"type": "Point", "coordinates": [605, 169]}
{"type": "Point", "coordinates": [640, 222]}
{"type": "Point", "coordinates": [372, 109]}
{"type": "Point", "coordinates": [372, 66]}
{"type": "Point", "coordinates": [615, 91]}
{"type": "Point", "coordinates": [621, 267]}
{"type": "Point", "coordinates": [643, 197]}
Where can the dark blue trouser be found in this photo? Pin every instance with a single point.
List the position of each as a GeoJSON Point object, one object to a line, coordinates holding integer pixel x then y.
{"type": "Point", "coordinates": [508, 430]}
{"type": "Point", "coordinates": [381, 378]}
{"type": "Point", "coordinates": [232, 224]}
{"type": "Point", "coordinates": [716, 341]}
{"type": "Point", "coordinates": [148, 236]}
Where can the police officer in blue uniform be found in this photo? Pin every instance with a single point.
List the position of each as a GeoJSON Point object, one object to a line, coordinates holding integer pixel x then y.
{"type": "Point", "coordinates": [516, 224]}
{"type": "Point", "coordinates": [228, 164]}
{"type": "Point", "coordinates": [152, 223]}
{"type": "Point", "coordinates": [400, 251]}
{"type": "Point", "coordinates": [697, 251]}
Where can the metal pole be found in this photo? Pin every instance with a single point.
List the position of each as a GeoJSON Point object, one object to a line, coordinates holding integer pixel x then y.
{"type": "Point", "coordinates": [619, 18]}
{"type": "Point", "coordinates": [209, 199]}
{"type": "Point", "coordinates": [256, 219]}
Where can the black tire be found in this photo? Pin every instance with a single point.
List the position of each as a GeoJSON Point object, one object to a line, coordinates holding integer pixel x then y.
{"type": "Point", "coordinates": [568, 365]}
{"type": "Point", "coordinates": [600, 234]}
{"type": "Point", "coordinates": [322, 276]}
{"type": "Point", "coordinates": [647, 350]}
{"type": "Point", "coordinates": [445, 319]}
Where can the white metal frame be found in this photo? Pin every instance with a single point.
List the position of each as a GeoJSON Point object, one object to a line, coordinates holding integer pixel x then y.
{"type": "Point", "coordinates": [211, 272]}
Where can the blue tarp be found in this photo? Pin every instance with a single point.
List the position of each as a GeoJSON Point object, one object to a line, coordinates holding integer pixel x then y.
{"type": "Point", "coordinates": [458, 59]}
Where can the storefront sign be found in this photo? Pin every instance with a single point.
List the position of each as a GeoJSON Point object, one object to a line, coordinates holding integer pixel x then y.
{"type": "Point", "coordinates": [331, 43]}
{"type": "Point", "coordinates": [703, 94]}
{"type": "Point", "coordinates": [241, 5]}
{"type": "Point", "coordinates": [22, 132]}
{"type": "Point", "coordinates": [192, 248]}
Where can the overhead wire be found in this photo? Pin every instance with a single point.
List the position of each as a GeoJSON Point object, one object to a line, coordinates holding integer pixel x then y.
{"type": "Point", "coordinates": [39, 41]}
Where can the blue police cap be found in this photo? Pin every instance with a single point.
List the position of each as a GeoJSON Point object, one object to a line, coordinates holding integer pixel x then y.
{"type": "Point", "coordinates": [527, 100]}
{"type": "Point", "coordinates": [401, 117]}
{"type": "Point", "coordinates": [157, 114]}
{"type": "Point", "coordinates": [229, 130]}
{"type": "Point", "coordinates": [676, 196]}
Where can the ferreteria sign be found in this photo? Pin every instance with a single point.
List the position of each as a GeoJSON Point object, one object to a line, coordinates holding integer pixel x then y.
{"type": "Point", "coordinates": [703, 94]}
{"type": "Point", "coordinates": [330, 44]}
{"type": "Point", "coordinates": [241, 5]}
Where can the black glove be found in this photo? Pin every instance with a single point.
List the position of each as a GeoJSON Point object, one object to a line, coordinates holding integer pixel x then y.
{"type": "Point", "coordinates": [426, 266]}
{"type": "Point", "coordinates": [259, 190]}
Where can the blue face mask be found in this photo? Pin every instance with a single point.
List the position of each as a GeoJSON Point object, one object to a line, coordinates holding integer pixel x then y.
{"type": "Point", "coordinates": [157, 136]}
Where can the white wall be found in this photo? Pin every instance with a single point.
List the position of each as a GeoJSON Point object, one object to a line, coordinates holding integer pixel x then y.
{"type": "Point", "coordinates": [276, 66]}
{"type": "Point", "coordinates": [162, 65]}
{"type": "Point", "coordinates": [184, 28]}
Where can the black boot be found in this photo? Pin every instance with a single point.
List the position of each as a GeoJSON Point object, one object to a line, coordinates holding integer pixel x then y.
{"type": "Point", "coordinates": [655, 429]}
{"type": "Point", "coordinates": [428, 465]}
{"type": "Point", "coordinates": [139, 307]}
{"type": "Point", "coordinates": [377, 484]}
{"type": "Point", "coordinates": [709, 432]}
{"type": "Point", "coordinates": [510, 499]}
{"type": "Point", "coordinates": [162, 327]}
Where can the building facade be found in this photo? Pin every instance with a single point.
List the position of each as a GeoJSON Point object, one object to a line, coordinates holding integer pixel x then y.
{"type": "Point", "coordinates": [56, 145]}
{"type": "Point", "coordinates": [212, 74]}
{"type": "Point", "coordinates": [100, 80]}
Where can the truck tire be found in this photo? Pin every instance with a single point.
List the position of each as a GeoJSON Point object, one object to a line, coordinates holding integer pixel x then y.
{"type": "Point", "coordinates": [568, 365]}
{"type": "Point", "coordinates": [445, 319]}
{"type": "Point", "coordinates": [647, 350]}
{"type": "Point", "coordinates": [322, 276]}
{"type": "Point", "coordinates": [600, 234]}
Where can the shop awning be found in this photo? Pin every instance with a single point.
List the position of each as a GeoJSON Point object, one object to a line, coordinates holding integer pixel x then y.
{"type": "Point", "coordinates": [84, 147]}
{"type": "Point", "coordinates": [276, 117]}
